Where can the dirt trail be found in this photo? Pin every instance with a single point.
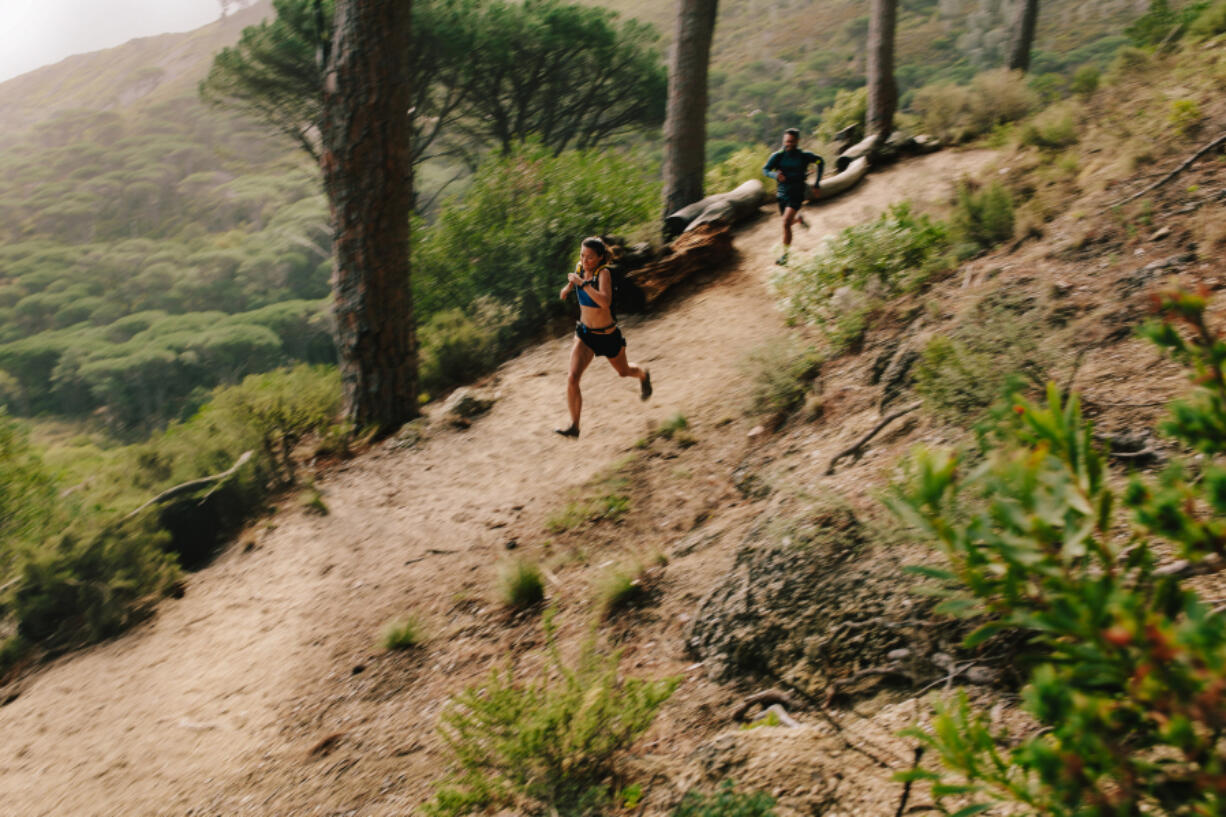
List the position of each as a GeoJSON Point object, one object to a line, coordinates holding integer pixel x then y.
{"type": "Point", "coordinates": [192, 708]}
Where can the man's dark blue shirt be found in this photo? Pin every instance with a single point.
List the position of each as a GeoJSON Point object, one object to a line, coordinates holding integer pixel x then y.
{"type": "Point", "coordinates": [794, 164]}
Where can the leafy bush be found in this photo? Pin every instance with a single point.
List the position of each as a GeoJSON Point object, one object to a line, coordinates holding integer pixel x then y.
{"type": "Point", "coordinates": [1054, 127]}
{"type": "Point", "coordinates": [457, 347]}
{"type": "Point", "coordinates": [725, 802]}
{"type": "Point", "coordinates": [553, 740]}
{"type": "Point", "coordinates": [783, 371]}
{"type": "Point", "coordinates": [1211, 22]}
{"type": "Point", "coordinates": [517, 232]}
{"type": "Point", "coordinates": [1128, 62]}
{"type": "Point", "coordinates": [1133, 663]}
{"type": "Point", "coordinates": [82, 589]}
{"type": "Point", "coordinates": [743, 165]}
{"type": "Point", "coordinates": [879, 259]}
{"type": "Point", "coordinates": [618, 588]}
{"type": "Point", "coordinates": [992, 349]}
{"type": "Point", "coordinates": [849, 109]}
{"type": "Point", "coordinates": [522, 584]}
{"type": "Point", "coordinates": [1161, 22]}
{"type": "Point", "coordinates": [1085, 80]}
{"type": "Point", "coordinates": [1184, 116]}
{"type": "Point", "coordinates": [403, 634]}
{"type": "Point", "coordinates": [983, 218]}
{"type": "Point", "coordinates": [956, 113]}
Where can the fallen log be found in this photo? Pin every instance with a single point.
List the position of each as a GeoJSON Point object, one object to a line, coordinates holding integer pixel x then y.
{"type": "Point", "coordinates": [840, 182]}
{"type": "Point", "coordinates": [743, 201]}
{"type": "Point", "coordinates": [706, 247]}
{"type": "Point", "coordinates": [862, 149]}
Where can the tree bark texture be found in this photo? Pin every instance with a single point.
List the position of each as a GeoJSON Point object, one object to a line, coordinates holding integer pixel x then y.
{"type": "Point", "coordinates": [368, 179]}
{"type": "Point", "coordinates": [685, 125]}
{"type": "Point", "coordinates": [1023, 35]}
{"type": "Point", "coordinates": [882, 89]}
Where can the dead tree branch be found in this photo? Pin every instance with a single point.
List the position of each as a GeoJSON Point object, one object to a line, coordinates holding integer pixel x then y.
{"type": "Point", "coordinates": [195, 484]}
{"type": "Point", "coordinates": [1221, 140]}
{"type": "Point", "coordinates": [863, 441]}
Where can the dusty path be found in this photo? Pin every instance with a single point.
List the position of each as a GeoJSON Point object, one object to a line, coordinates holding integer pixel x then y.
{"type": "Point", "coordinates": [192, 708]}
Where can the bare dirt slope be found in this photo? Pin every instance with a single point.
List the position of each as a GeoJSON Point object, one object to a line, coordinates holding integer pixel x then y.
{"type": "Point", "coordinates": [262, 691]}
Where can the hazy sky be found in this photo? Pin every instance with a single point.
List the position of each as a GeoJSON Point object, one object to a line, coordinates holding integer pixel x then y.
{"type": "Point", "coordinates": [34, 33]}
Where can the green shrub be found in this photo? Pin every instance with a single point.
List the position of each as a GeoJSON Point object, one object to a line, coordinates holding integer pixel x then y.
{"type": "Point", "coordinates": [983, 217]}
{"type": "Point", "coordinates": [879, 259]}
{"type": "Point", "coordinates": [1127, 63]}
{"type": "Point", "coordinates": [456, 347]}
{"type": "Point", "coordinates": [85, 588]}
{"type": "Point", "coordinates": [994, 348]}
{"type": "Point", "coordinates": [743, 165]}
{"type": "Point", "coordinates": [783, 372]}
{"type": "Point", "coordinates": [516, 233]}
{"type": "Point", "coordinates": [604, 498]}
{"type": "Point", "coordinates": [521, 584]}
{"type": "Point", "coordinates": [403, 634]}
{"type": "Point", "coordinates": [553, 739]}
{"type": "Point", "coordinates": [1184, 116]}
{"type": "Point", "coordinates": [1131, 663]}
{"type": "Point", "coordinates": [849, 109]}
{"type": "Point", "coordinates": [673, 425]}
{"type": "Point", "coordinates": [956, 113]}
{"type": "Point", "coordinates": [726, 802]}
{"type": "Point", "coordinates": [1085, 80]}
{"type": "Point", "coordinates": [1211, 22]}
{"type": "Point", "coordinates": [1055, 127]}
{"type": "Point", "coordinates": [618, 588]}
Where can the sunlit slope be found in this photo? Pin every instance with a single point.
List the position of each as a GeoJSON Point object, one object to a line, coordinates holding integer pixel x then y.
{"type": "Point", "coordinates": [145, 69]}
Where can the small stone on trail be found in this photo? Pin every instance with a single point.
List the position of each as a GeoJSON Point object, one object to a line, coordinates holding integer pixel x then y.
{"type": "Point", "coordinates": [1160, 234]}
{"type": "Point", "coordinates": [756, 432]}
{"type": "Point", "coordinates": [899, 654]}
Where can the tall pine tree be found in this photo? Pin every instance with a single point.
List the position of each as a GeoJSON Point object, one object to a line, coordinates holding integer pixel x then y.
{"type": "Point", "coordinates": [368, 178]}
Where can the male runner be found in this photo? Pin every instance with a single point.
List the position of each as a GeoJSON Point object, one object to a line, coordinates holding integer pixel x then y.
{"type": "Point", "coordinates": [789, 166]}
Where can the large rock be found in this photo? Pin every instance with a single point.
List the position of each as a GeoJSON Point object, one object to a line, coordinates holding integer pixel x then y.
{"type": "Point", "coordinates": [812, 607]}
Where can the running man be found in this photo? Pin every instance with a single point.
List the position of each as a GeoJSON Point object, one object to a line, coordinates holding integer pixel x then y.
{"type": "Point", "coordinates": [789, 166]}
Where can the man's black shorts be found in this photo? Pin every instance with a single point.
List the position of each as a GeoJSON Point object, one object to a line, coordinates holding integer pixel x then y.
{"type": "Point", "coordinates": [790, 198]}
{"type": "Point", "coordinates": [603, 345]}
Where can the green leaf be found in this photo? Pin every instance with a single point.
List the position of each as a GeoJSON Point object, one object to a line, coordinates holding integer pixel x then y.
{"type": "Point", "coordinates": [969, 811]}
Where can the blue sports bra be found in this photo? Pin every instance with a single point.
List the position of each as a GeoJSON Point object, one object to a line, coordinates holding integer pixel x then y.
{"type": "Point", "coordinates": [581, 291]}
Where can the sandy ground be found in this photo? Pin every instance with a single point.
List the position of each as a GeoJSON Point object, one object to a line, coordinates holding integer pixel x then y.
{"type": "Point", "coordinates": [221, 703]}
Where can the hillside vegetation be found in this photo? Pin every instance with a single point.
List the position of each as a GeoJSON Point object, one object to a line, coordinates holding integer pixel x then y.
{"type": "Point", "coordinates": [1033, 271]}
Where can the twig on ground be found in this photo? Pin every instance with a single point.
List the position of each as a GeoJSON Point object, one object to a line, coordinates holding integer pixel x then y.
{"type": "Point", "coordinates": [1184, 569]}
{"type": "Point", "coordinates": [906, 789]}
{"type": "Point", "coordinates": [856, 449]}
{"type": "Point", "coordinates": [1072, 375]}
{"type": "Point", "coordinates": [764, 698]}
{"type": "Point", "coordinates": [838, 727]}
{"type": "Point", "coordinates": [1188, 163]}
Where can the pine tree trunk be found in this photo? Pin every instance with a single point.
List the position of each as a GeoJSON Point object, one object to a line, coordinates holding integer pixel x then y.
{"type": "Point", "coordinates": [685, 126]}
{"type": "Point", "coordinates": [368, 179]}
{"type": "Point", "coordinates": [1023, 35]}
{"type": "Point", "coordinates": [882, 89]}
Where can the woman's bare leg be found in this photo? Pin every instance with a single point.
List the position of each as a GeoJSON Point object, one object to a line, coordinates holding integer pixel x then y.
{"type": "Point", "coordinates": [580, 357]}
{"type": "Point", "coordinates": [627, 369]}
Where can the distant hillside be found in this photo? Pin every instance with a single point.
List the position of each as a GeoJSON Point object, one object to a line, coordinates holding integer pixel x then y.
{"type": "Point", "coordinates": [143, 70]}
{"type": "Point", "coordinates": [778, 63]}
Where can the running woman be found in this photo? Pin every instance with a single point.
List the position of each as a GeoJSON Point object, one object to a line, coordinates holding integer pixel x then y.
{"type": "Point", "coordinates": [789, 166]}
{"type": "Point", "coordinates": [597, 332]}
